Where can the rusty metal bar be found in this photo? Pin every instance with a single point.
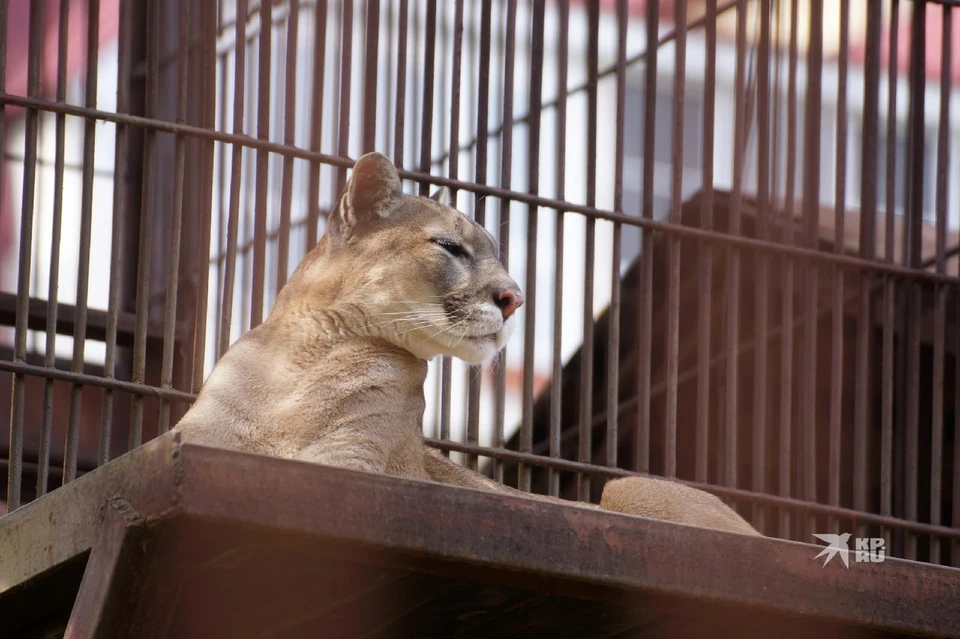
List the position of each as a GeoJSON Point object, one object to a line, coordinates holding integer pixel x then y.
{"type": "Point", "coordinates": [837, 275]}
{"type": "Point", "coordinates": [560, 168]}
{"type": "Point", "coordinates": [912, 255]}
{"type": "Point", "coordinates": [120, 196]}
{"type": "Point", "coordinates": [590, 247]}
{"type": "Point", "coordinates": [729, 461]}
{"type": "Point", "coordinates": [146, 224]}
{"type": "Point", "coordinates": [15, 470]}
{"type": "Point", "coordinates": [762, 285]}
{"type": "Point", "coordinates": [401, 91]}
{"type": "Point", "coordinates": [207, 64]}
{"type": "Point", "coordinates": [533, 185]}
{"type": "Point", "coordinates": [673, 243]}
{"type": "Point", "coordinates": [49, 354]}
{"type": "Point", "coordinates": [446, 367]}
{"type": "Point", "coordinates": [236, 162]}
{"type": "Point", "coordinates": [787, 285]}
{"type": "Point", "coordinates": [739, 494]}
{"type": "Point", "coordinates": [264, 51]}
{"type": "Point", "coordinates": [869, 191]}
{"type": "Point", "coordinates": [86, 222]}
{"type": "Point", "coordinates": [429, 74]}
{"type": "Point", "coordinates": [742, 242]}
{"type": "Point", "coordinates": [133, 388]}
{"type": "Point", "coordinates": [705, 249]}
{"type": "Point", "coordinates": [645, 279]}
{"type": "Point", "coordinates": [479, 207]}
{"type": "Point", "coordinates": [346, 68]}
{"type": "Point", "coordinates": [289, 139]}
{"type": "Point", "coordinates": [426, 145]}
{"type": "Point", "coordinates": [370, 103]}
{"type": "Point", "coordinates": [4, 12]}
{"type": "Point", "coordinates": [942, 195]}
{"type": "Point", "coordinates": [941, 291]}
{"type": "Point", "coordinates": [173, 252]}
{"type": "Point", "coordinates": [503, 234]}
{"type": "Point", "coordinates": [889, 291]}
{"type": "Point", "coordinates": [613, 313]}
{"type": "Point", "coordinates": [219, 258]}
{"type": "Point", "coordinates": [316, 122]}
{"type": "Point", "coordinates": [811, 221]}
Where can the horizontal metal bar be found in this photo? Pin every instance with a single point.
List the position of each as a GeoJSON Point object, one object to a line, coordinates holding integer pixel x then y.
{"type": "Point", "coordinates": [483, 189]}
{"type": "Point", "coordinates": [142, 390]}
{"type": "Point", "coordinates": [97, 320]}
{"type": "Point", "coordinates": [721, 491]}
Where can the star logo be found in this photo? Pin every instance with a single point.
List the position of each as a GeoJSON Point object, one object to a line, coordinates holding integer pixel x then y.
{"type": "Point", "coordinates": [836, 545]}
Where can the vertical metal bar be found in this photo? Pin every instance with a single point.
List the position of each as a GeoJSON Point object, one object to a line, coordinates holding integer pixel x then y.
{"type": "Point", "coordinates": [645, 281]}
{"type": "Point", "coordinates": [146, 222]}
{"type": "Point", "coordinates": [426, 147]}
{"type": "Point", "coordinates": [533, 186]}
{"type": "Point", "coordinates": [86, 222]}
{"type": "Point", "coordinates": [119, 198]}
{"type": "Point", "coordinates": [868, 245]}
{"type": "Point", "coordinates": [889, 290]}
{"type": "Point", "coordinates": [586, 348]}
{"type": "Point", "coordinates": [913, 258]}
{"type": "Point", "coordinates": [777, 98]}
{"type": "Point", "coordinates": [207, 29]}
{"type": "Point", "coordinates": [560, 168]}
{"type": "Point", "coordinates": [786, 314]}
{"type": "Point", "coordinates": [316, 121]}
{"type": "Point", "coordinates": [4, 6]}
{"type": "Point", "coordinates": [346, 68]}
{"type": "Point", "coordinates": [289, 139]}
{"type": "Point", "coordinates": [479, 207]}
{"type": "Point", "coordinates": [506, 174]}
{"type": "Point", "coordinates": [762, 284]}
{"type": "Point", "coordinates": [15, 470]}
{"type": "Point", "coordinates": [613, 330]}
{"type": "Point", "coordinates": [173, 252]}
{"type": "Point", "coordinates": [811, 216]}
{"type": "Point", "coordinates": [50, 355]}
{"type": "Point", "coordinates": [263, 159]}
{"type": "Point", "coordinates": [223, 203]}
{"type": "Point", "coordinates": [391, 72]}
{"type": "Point", "coordinates": [398, 127]}
{"type": "Point", "coordinates": [673, 242]}
{"type": "Point", "coordinates": [733, 255]}
{"type": "Point", "coordinates": [941, 291]}
{"type": "Point", "coordinates": [370, 104]}
{"type": "Point", "coordinates": [705, 249]}
{"type": "Point", "coordinates": [446, 368]}
{"type": "Point", "coordinates": [837, 274]}
{"type": "Point", "coordinates": [236, 161]}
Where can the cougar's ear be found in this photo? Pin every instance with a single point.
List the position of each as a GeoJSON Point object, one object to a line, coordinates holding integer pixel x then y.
{"type": "Point", "coordinates": [372, 184]}
{"type": "Point", "coordinates": [442, 195]}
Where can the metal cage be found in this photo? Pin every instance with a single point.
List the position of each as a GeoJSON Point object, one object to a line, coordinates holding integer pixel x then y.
{"type": "Point", "coordinates": [735, 223]}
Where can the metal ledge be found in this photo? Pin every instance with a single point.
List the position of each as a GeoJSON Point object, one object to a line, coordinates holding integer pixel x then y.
{"type": "Point", "coordinates": [228, 542]}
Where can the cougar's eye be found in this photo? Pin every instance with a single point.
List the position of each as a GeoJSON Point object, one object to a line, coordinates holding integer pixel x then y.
{"type": "Point", "coordinates": [452, 247]}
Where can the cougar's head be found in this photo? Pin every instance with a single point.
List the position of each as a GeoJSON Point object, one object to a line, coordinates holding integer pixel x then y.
{"type": "Point", "coordinates": [425, 277]}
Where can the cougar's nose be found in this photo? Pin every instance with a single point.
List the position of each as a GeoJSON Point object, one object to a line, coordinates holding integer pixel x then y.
{"type": "Point", "coordinates": [508, 302]}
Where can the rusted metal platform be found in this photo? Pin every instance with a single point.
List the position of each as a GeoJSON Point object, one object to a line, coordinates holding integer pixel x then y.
{"type": "Point", "coordinates": [183, 541]}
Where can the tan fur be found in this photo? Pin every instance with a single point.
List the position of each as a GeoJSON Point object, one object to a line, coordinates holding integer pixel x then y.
{"type": "Point", "coordinates": [335, 374]}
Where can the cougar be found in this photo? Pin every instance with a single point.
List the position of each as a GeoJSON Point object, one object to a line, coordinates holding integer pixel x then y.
{"type": "Point", "coordinates": [335, 374]}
